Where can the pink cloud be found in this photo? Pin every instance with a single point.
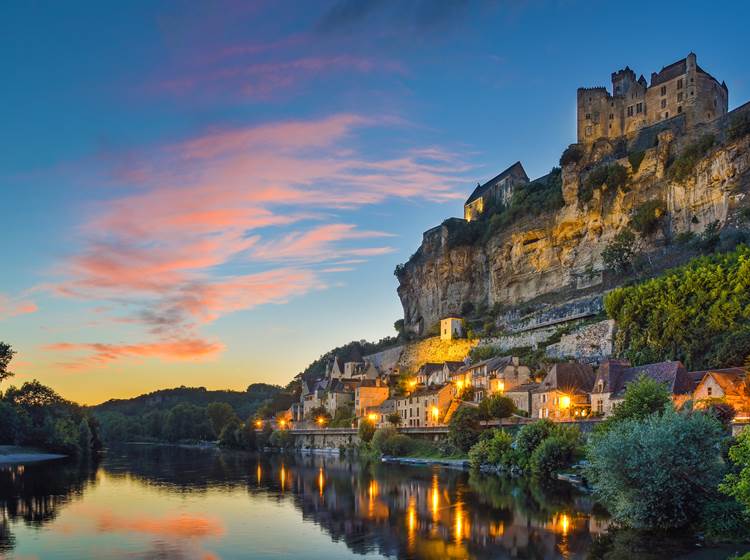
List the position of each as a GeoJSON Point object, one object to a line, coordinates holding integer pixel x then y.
{"type": "Point", "coordinates": [12, 307]}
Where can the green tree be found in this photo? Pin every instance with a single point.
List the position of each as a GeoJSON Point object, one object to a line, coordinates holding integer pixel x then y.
{"type": "Point", "coordinates": [85, 438]}
{"type": "Point", "coordinates": [187, 421]}
{"type": "Point", "coordinates": [464, 428]}
{"type": "Point", "coordinates": [656, 473]}
{"type": "Point", "coordinates": [737, 483]}
{"type": "Point", "coordinates": [366, 430]}
{"type": "Point", "coordinates": [497, 406]}
{"type": "Point", "coordinates": [10, 424]}
{"type": "Point", "coordinates": [643, 397]}
{"type": "Point", "coordinates": [529, 437]}
{"type": "Point", "coordinates": [6, 355]}
{"type": "Point", "coordinates": [647, 217]}
{"type": "Point", "coordinates": [220, 414]}
{"type": "Point", "coordinates": [556, 453]}
{"type": "Point", "coordinates": [230, 435]}
{"type": "Point", "coordinates": [394, 419]}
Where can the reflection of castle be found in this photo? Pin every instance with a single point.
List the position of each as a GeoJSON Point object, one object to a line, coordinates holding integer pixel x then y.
{"type": "Point", "coordinates": [429, 514]}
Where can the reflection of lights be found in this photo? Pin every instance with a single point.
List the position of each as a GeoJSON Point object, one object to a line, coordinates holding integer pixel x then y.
{"type": "Point", "coordinates": [411, 522]}
{"type": "Point", "coordinates": [259, 473]}
{"type": "Point", "coordinates": [321, 481]}
{"type": "Point", "coordinates": [283, 477]}
{"type": "Point", "coordinates": [372, 490]}
{"type": "Point", "coordinates": [435, 497]}
{"type": "Point", "coordinates": [564, 524]}
{"type": "Point", "coordinates": [565, 401]}
{"type": "Point", "coordinates": [459, 526]}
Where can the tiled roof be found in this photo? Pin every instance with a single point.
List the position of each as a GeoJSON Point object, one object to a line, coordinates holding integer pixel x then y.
{"type": "Point", "coordinates": [523, 388]}
{"type": "Point", "coordinates": [729, 379]}
{"type": "Point", "coordinates": [569, 377]}
{"type": "Point", "coordinates": [673, 71]}
{"type": "Point", "coordinates": [672, 374]}
{"type": "Point", "coordinates": [481, 189]}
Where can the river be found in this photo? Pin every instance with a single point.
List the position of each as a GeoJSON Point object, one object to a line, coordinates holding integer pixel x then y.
{"type": "Point", "coordinates": [144, 501]}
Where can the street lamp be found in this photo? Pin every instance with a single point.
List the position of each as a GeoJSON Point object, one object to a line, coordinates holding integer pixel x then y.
{"type": "Point", "coordinates": [565, 402]}
{"type": "Point", "coordinates": [372, 417]}
{"type": "Point", "coordinates": [321, 421]}
{"type": "Point", "coordinates": [259, 424]}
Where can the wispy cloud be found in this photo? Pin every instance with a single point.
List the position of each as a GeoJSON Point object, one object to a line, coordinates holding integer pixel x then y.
{"type": "Point", "coordinates": [12, 307]}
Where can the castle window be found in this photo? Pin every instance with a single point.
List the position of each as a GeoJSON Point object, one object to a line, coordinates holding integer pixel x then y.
{"type": "Point", "coordinates": [679, 83]}
{"type": "Point", "coordinates": [611, 116]}
{"type": "Point", "coordinates": [596, 115]}
{"type": "Point", "coordinates": [663, 103]}
{"type": "Point", "coordinates": [588, 131]}
{"type": "Point", "coordinates": [588, 116]}
{"type": "Point", "coordinates": [666, 115]}
{"type": "Point", "coordinates": [639, 108]}
{"type": "Point", "coordinates": [679, 109]}
{"type": "Point", "coordinates": [664, 90]}
{"type": "Point", "coordinates": [679, 96]}
{"type": "Point", "coordinates": [630, 111]}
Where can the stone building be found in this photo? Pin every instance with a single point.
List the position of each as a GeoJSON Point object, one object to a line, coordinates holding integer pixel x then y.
{"type": "Point", "coordinates": [521, 395]}
{"type": "Point", "coordinates": [563, 392]}
{"type": "Point", "coordinates": [683, 87]}
{"type": "Point", "coordinates": [369, 394]}
{"type": "Point", "coordinates": [497, 190]}
{"type": "Point", "coordinates": [451, 327]}
{"type": "Point", "coordinates": [426, 407]}
{"type": "Point", "coordinates": [730, 385]}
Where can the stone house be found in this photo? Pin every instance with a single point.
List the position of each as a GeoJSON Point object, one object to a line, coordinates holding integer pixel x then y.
{"type": "Point", "coordinates": [315, 397]}
{"type": "Point", "coordinates": [369, 394]}
{"type": "Point", "coordinates": [680, 89]}
{"type": "Point", "coordinates": [564, 392]}
{"type": "Point", "coordinates": [614, 376]}
{"type": "Point", "coordinates": [730, 384]}
{"type": "Point", "coordinates": [521, 396]}
{"type": "Point", "coordinates": [425, 407]}
{"type": "Point", "coordinates": [444, 375]}
{"type": "Point", "coordinates": [512, 375]}
{"type": "Point", "coordinates": [426, 371]}
{"type": "Point", "coordinates": [338, 395]}
{"type": "Point", "coordinates": [484, 377]}
{"type": "Point", "coordinates": [379, 414]}
{"type": "Point", "coordinates": [497, 190]}
{"type": "Point", "coordinates": [451, 327]}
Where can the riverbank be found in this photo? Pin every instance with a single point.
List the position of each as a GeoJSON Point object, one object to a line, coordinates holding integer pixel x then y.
{"type": "Point", "coordinates": [14, 455]}
{"type": "Point", "coordinates": [462, 464]}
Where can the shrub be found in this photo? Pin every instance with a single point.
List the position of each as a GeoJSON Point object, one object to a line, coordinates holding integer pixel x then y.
{"type": "Point", "coordinates": [479, 453]}
{"type": "Point", "coordinates": [464, 428]}
{"type": "Point", "coordinates": [387, 441]}
{"type": "Point", "coordinates": [643, 397]}
{"type": "Point", "coordinates": [719, 409]}
{"type": "Point", "coordinates": [497, 406]}
{"type": "Point", "coordinates": [725, 520]}
{"type": "Point", "coordinates": [635, 159]}
{"type": "Point", "coordinates": [656, 473]}
{"type": "Point", "coordinates": [647, 217]}
{"type": "Point", "coordinates": [685, 163]}
{"type": "Point", "coordinates": [684, 238]}
{"type": "Point", "coordinates": [366, 430]}
{"type": "Point", "coordinates": [493, 448]}
{"type": "Point", "coordinates": [617, 176]}
{"type": "Point", "coordinates": [529, 437]}
{"type": "Point", "coordinates": [282, 439]}
{"type": "Point", "coordinates": [619, 253]}
{"type": "Point", "coordinates": [572, 154]}
{"type": "Point", "coordinates": [739, 127]}
{"type": "Point", "coordinates": [394, 419]}
{"type": "Point", "coordinates": [553, 455]}
{"type": "Point", "coordinates": [737, 483]}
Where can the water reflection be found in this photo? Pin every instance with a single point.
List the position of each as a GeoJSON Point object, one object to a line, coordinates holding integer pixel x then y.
{"type": "Point", "coordinates": [145, 501]}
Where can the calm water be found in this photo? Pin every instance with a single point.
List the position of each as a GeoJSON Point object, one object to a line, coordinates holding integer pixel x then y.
{"type": "Point", "coordinates": [165, 502]}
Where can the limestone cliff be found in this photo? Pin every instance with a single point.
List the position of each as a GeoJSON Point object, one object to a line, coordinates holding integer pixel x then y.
{"type": "Point", "coordinates": [557, 257]}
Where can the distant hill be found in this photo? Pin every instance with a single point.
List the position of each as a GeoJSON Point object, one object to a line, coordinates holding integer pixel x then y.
{"type": "Point", "coordinates": [244, 403]}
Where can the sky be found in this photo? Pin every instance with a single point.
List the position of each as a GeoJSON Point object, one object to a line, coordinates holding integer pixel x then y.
{"type": "Point", "coordinates": [216, 193]}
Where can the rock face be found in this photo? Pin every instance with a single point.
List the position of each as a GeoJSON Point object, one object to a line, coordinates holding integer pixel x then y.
{"type": "Point", "coordinates": [558, 257]}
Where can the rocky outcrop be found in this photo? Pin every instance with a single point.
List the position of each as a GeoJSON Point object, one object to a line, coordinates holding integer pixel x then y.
{"type": "Point", "coordinates": [558, 257]}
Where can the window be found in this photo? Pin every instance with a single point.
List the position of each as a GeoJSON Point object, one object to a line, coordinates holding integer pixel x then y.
{"type": "Point", "coordinates": [611, 116]}
{"type": "Point", "coordinates": [639, 108]}
{"type": "Point", "coordinates": [588, 131]}
{"type": "Point", "coordinates": [709, 391]}
{"type": "Point", "coordinates": [588, 118]}
{"type": "Point", "coordinates": [679, 109]}
{"type": "Point", "coordinates": [666, 115]}
{"type": "Point", "coordinates": [600, 406]}
{"type": "Point", "coordinates": [630, 111]}
{"type": "Point", "coordinates": [663, 106]}
{"type": "Point", "coordinates": [679, 96]}
{"type": "Point", "coordinates": [664, 90]}
{"type": "Point", "coordinates": [679, 83]}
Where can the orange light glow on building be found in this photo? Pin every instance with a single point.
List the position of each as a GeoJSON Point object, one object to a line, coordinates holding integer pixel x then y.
{"type": "Point", "coordinates": [459, 384]}
{"type": "Point", "coordinates": [565, 402]}
{"type": "Point", "coordinates": [435, 413]}
{"type": "Point", "coordinates": [372, 417]}
{"type": "Point", "coordinates": [321, 421]}
{"type": "Point", "coordinates": [501, 386]}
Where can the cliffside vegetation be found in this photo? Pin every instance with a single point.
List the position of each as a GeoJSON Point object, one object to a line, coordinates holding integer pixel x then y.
{"type": "Point", "coordinates": [698, 313]}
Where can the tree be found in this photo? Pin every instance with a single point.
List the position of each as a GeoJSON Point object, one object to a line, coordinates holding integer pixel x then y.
{"type": "Point", "coordinates": [366, 430]}
{"type": "Point", "coordinates": [529, 437]}
{"type": "Point", "coordinates": [394, 419]}
{"type": "Point", "coordinates": [647, 217]}
{"type": "Point", "coordinates": [319, 412]}
{"type": "Point", "coordinates": [658, 472]}
{"type": "Point", "coordinates": [6, 355]}
{"type": "Point", "coordinates": [497, 406]}
{"type": "Point", "coordinates": [220, 414]}
{"type": "Point", "coordinates": [737, 483]}
{"type": "Point", "coordinates": [618, 254]}
{"type": "Point", "coordinates": [643, 397]}
{"type": "Point", "coordinates": [554, 454]}
{"type": "Point", "coordinates": [464, 428]}
{"type": "Point", "coordinates": [85, 438]}
{"type": "Point", "coordinates": [10, 424]}
{"type": "Point", "coordinates": [248, 436]}
{"type": "Point", "coordinates": [230, 434]}
{"type": "Point", "coordinates": [187, 421]}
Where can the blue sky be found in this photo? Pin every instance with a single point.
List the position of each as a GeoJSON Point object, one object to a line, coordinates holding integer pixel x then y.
{"type": "Point", "coordinates": [217, 193]}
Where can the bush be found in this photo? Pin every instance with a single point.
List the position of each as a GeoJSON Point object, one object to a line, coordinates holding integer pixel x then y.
{"type": "Point", "coordinates": [635, 159]}
{"type": "Point", "coordinates": [529, 437]}
{"type": "Point", "coordinates": [685, 163]}
{"type": "Point", "coordinates": [572, 154]}
{"type": "Point", "coordinates": [647, 217]}
{"type": "Point", "coordinates": [719, 409]}
{"type": "Point", "coordinates": [366, 430]}
{"type": "Point", "coordinates": [739, 127]}
{"type": "Point", "coordinates": [387, 441]}
{"type": "Point", "coordinates": [464, 428]}
{"type": "Point", "coordinates": [694, 313]}
{"type": "Point", "coordinates": [643, 397]}
{"type": "Point", "coordinates": [282, 439]}
{"type": "Point", "coordinates": [553, 455]}
{"type": "Point", "coordinates": [394, 419]}
{"type": "Point", "coordinates": [619, 253]}
{"type": "Point", "coordinates": [617, 176]}
{"type": "Point", "coordinates": [656, 473]}
{"type": "Point", "coordinates": [479, 453]}
{"type": "Point", "coordinates": [684, 238]}
{"type": "Point", "coordinates": [497, 406]}
{"type": "Point", "coordinates": [737, 483]}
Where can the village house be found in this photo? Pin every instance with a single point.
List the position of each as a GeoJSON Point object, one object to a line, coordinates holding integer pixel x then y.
{"type": "Point", "coordinates": [564, 392]}
{"type": "Point", "coordinates": [444, 375]}
{"type": "Point", "coordinates": [521, 396]}
{"type": "Point", "coordinates": [369, 394]}
{"type": "Point", "coordinates": [379, 414]}
{"type": "Point", "coordinates": [483, 377]}
{"type": "Point", "coordinates": [451, 327]}
{"type": "Point", "coordinates": [614, 375]}
{"type": "Point", "coordinates": [426, 370]}
{"type": "Point", "coordinates": [730, 385]}
{"type": "Point", "coordinates": [314, 398]}
{"type": "Point", "coordinates": [496, 191]}
{"type": "Point", "coordinates": [425, 407]}
{"type": "Point", "coordinates": [338, 395]}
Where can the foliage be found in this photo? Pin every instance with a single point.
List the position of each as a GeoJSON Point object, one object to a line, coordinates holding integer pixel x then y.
{"type": "Point", "coordinates": [366, 430]}
{"type": "Point", "coordinates": [725, 520]}
{"type": "Point", "coordinates": [497, 406]}
{"type": "Point", "coordinates": [529, 437]}
{"type": "Point", "coordinates": [85, 437]}
{"type": "Point", "coordinates": [635, 159]}
{"type": "Point", "coordinates": [344, 417]}
{"type": "Point", "coordinates": [464, 428]}
{"type": "Point", "coordinates": [282, 439]}
{"type": "Point", "coordinates": [10, 424]}
{"type": "Point", "coordinates": [553, 455]}
{"type": "Point", "coordinates": [480, 353]}
{"type": "Point", "coordinates": [495, 450]}
{"type": "Point", "coordinates": [647, 217]}
{"type": "Point", "coordinates": [739, 127]}
{"type": "Point", "coordinates": [394, 419]}
{"type": "Point", "coordinates": [387, 441]}
{"type": "Point", "coordinates": [719, 409]}
{"type": "Point", "coordinates": [6, 355]}
{"type": "Point", "coordinates": [656, 473]}
{"type": "Point", "coordinates": [220, 414]}
{"type": "Point", "coordinates": [349, 352]}
{"type": "Point", "coordinates": [572, 154]}
{"type": "Point", "coordinates": [317, 412]}
{"type": "Point", "coordinates": [187, 422]}
{"type": "Point", "coordinates": [684, 165]}
{"type": "Point", "coordinates": [698, 313]}
{"type": "Point", "coordinates": [614, 175]}
{"type": "Point", "coordinates": [618, 254]}
{"type": "Point", "coordinates": [643, 397]}
{"type": "Point", "coordinates": [230, 434]}
{"type": "Point", "coordinates": [737, 482]}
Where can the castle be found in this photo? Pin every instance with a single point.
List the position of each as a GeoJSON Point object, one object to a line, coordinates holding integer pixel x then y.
{"type": "Point", "coordinates": [681, 90]}
{"type": "Point", "coordinates": [683, 87]}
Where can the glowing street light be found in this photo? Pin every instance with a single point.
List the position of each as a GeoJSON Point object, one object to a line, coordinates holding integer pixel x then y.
{"type": "Point", "coordinates": [501, 386]}
{"type": "Point", "coordinates": [372, 417]}
{"type": "Point", "coordinates": [321, 421]}
{"type": "Point", "coordinates": [565, 402]}
{"type": "Point", "coordinates": [259, 424]}
{"type": "Point", "coordinates": [282, 423]}
{"type": "Point", "coordinates": [435, 413]}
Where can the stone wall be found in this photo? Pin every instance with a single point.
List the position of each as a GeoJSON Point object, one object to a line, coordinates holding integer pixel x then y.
{"type": "Point", "coordinates": [590, 343]}
{"type": "Point", "coordinates": [434, 350]}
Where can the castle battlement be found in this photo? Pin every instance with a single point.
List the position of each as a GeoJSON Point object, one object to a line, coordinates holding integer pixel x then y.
{"type": "Point", "coordinates": [682, 87]}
